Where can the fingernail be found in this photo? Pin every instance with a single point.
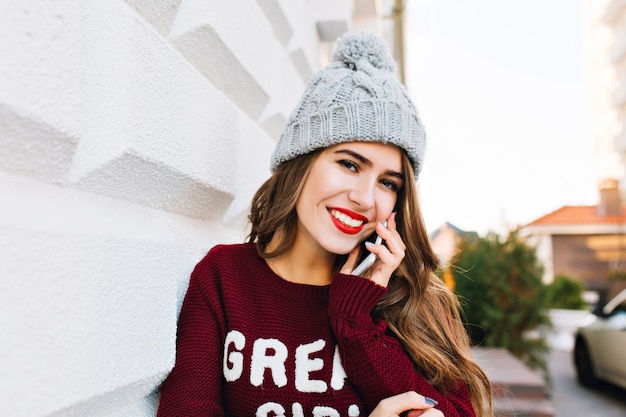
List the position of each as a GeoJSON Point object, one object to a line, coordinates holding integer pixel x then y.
{"type": "Point", "coordinates": [430, 401]}
{"type": "Point", "coordinates": [368, 243]}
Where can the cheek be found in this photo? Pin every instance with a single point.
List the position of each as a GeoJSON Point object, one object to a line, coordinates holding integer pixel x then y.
{"type": "Point", "coordinates": [386, 205]}
{"type": "Point", "coordinates": [313, 192]}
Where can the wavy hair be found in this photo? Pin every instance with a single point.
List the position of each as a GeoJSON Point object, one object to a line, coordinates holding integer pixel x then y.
{"type": "Point", "coordinates": [421, 311]}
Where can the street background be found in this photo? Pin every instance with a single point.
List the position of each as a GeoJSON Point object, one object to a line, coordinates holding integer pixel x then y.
{"type": "Point", "coordinates": [568, 397]}
{"type": "Point", "coordinates": [572, 400]}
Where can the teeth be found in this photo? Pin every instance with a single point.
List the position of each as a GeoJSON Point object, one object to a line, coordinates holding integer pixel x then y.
{"type": "Point", "coordinates": [345, 219]}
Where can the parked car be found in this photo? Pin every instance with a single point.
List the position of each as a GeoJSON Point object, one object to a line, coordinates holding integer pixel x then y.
{"type": "Point", "coordinates": [600, 344]}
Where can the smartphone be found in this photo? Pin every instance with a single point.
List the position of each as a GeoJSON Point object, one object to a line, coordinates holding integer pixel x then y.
{"type": "Point", "coordinates": [369, 259]}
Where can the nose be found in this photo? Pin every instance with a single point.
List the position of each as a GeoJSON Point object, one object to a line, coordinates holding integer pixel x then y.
{"type": "Point", "coordinates": [363, 194]}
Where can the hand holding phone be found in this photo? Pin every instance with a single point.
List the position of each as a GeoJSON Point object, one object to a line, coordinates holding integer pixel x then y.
{"type": "Point", "coordinates": [369, 259]}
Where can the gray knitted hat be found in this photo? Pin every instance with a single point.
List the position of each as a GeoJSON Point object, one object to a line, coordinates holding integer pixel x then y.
{"type": "Point", "coordinates": [355, 98]}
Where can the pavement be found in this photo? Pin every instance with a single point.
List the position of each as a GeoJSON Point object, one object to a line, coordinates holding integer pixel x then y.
{"type": "Point", "coordinates": [522, 392]}
{"type": "Point", "coordinates": [573, 400]}
{"type": "Point", "coordinates": [518, 390]}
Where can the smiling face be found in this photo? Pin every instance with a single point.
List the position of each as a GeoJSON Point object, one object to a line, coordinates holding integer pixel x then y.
{"type": "Point", "coordinates": [351, 187]}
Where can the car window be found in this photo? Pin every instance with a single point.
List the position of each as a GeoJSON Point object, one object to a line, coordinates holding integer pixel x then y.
{"type": "Point", "coordinates": [620, 309]}
{"type": "Point", "coordinates": [617, 320]}
{"type": "Point", "coordinates": [615, 305]}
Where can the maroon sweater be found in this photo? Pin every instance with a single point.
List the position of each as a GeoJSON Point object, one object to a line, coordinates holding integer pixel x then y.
{"type": "Point", "coordinates": [250, 343]}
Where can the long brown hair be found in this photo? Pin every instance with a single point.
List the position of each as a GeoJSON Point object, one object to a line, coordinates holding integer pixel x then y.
{"type": "Point", "coordinates": [274, 205]}
{"type": "Point", "coordinates": [422, 312]}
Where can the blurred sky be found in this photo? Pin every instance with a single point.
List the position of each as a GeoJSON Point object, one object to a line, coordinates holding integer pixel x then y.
{"type": "Point", "coordinates": [501, 86]}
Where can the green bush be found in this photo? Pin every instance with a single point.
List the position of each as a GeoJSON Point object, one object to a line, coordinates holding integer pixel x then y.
{"type": "Point", "coordinates": [499, 281]}
{"type": "Point", "coordinates": [566, 292]}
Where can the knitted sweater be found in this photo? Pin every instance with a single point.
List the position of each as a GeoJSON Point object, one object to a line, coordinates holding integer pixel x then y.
{"type": "Point", "coordinates": [250, 343]}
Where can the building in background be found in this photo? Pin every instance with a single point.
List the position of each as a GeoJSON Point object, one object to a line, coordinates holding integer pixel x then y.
{"type": "Point", "coordinates": [445, 241]}
{"type": "Point", "coordinates": [587, 243]}
{"type": "Point", "coordinates": [133, 134]}
{"type": "Point", "coordinates": [606, 49]}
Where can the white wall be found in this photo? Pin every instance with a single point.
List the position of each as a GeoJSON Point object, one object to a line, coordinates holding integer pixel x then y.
{"type": "Point", "coordinates": [602, 34]}
{"type": "Point", "coordinates": [132, 137]}
{"type": "Point", "coordinates": [541, 240]}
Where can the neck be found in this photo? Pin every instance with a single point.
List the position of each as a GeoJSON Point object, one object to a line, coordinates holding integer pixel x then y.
{"type": "Point", "coordinates": [303, 265]}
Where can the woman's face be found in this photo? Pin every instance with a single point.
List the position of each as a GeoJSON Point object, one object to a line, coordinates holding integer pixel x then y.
{"type": "Point", "coordinates": [350, 187]}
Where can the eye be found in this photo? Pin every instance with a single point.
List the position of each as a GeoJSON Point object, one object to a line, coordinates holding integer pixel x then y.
{"type": "Point", "coordinates": [390, 184]}
{"type": "Point", "coordinates": [349, 165]}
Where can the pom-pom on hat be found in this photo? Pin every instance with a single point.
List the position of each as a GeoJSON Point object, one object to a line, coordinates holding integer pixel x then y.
{"type": "Point", "coordinates": [356, 98]}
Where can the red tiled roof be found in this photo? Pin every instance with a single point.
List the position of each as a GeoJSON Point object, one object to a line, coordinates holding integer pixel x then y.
{"type": "Point", "coordinates": [578, 215]}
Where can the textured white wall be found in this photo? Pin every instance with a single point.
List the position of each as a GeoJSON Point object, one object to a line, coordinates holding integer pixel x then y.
{"type": "Point", "coordinates": [132, 137]}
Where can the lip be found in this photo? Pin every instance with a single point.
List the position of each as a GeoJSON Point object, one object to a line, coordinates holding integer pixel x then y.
{"type": "Point", "coordinates": [344, 228]}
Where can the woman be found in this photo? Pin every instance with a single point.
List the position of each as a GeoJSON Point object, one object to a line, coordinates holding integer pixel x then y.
{"type": "Point", "coordinates": [280, 325]}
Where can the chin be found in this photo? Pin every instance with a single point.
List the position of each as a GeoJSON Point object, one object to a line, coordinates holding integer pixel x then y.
{"type": "Point", "coordinates": [341, 249]}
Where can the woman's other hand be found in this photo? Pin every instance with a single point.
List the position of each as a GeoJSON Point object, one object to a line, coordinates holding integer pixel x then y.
{"type": "Point", "coordinates": [409, 404]}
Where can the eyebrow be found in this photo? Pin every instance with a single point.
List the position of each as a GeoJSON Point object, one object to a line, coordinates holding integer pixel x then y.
{"type": "Point", "coordinates": [367, 162]}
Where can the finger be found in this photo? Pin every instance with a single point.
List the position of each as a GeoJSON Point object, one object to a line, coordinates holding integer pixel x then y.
{"type": "Point", "coordinates": [431, 412]}
{"type": "Point", "coordinates": [351, 261]}
{"type": "Point", "coordinates": [391, 221]}
{"type": "Point", "coordinates": [390, 256]}
{"type": "Point", "coordinates": [394, 406]}
{"type": "Point", "coordinates": [390, 234]}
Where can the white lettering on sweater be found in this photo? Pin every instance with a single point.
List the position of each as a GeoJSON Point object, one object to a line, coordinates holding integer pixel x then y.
{"type": "Point", "coordinates": [262, 359]}
{"type": "Point", "coordinates": [339, 374]}
{"type": "Point", "coordinates": [272, 409]}
{"type": "Point", "coordinates": [235, 359]}
{"type": "Point", "coordinates": [297, 410]}
{"type": "Point", "coordinates": [320, 411]}
{"type": "Point", "coordinates": [271, 355]}
{"type": "Point", "coordinates": [305, 365]}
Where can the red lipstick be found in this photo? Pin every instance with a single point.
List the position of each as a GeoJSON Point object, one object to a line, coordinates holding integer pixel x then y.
{"type": "Point", "coordinates": [344, 227]}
